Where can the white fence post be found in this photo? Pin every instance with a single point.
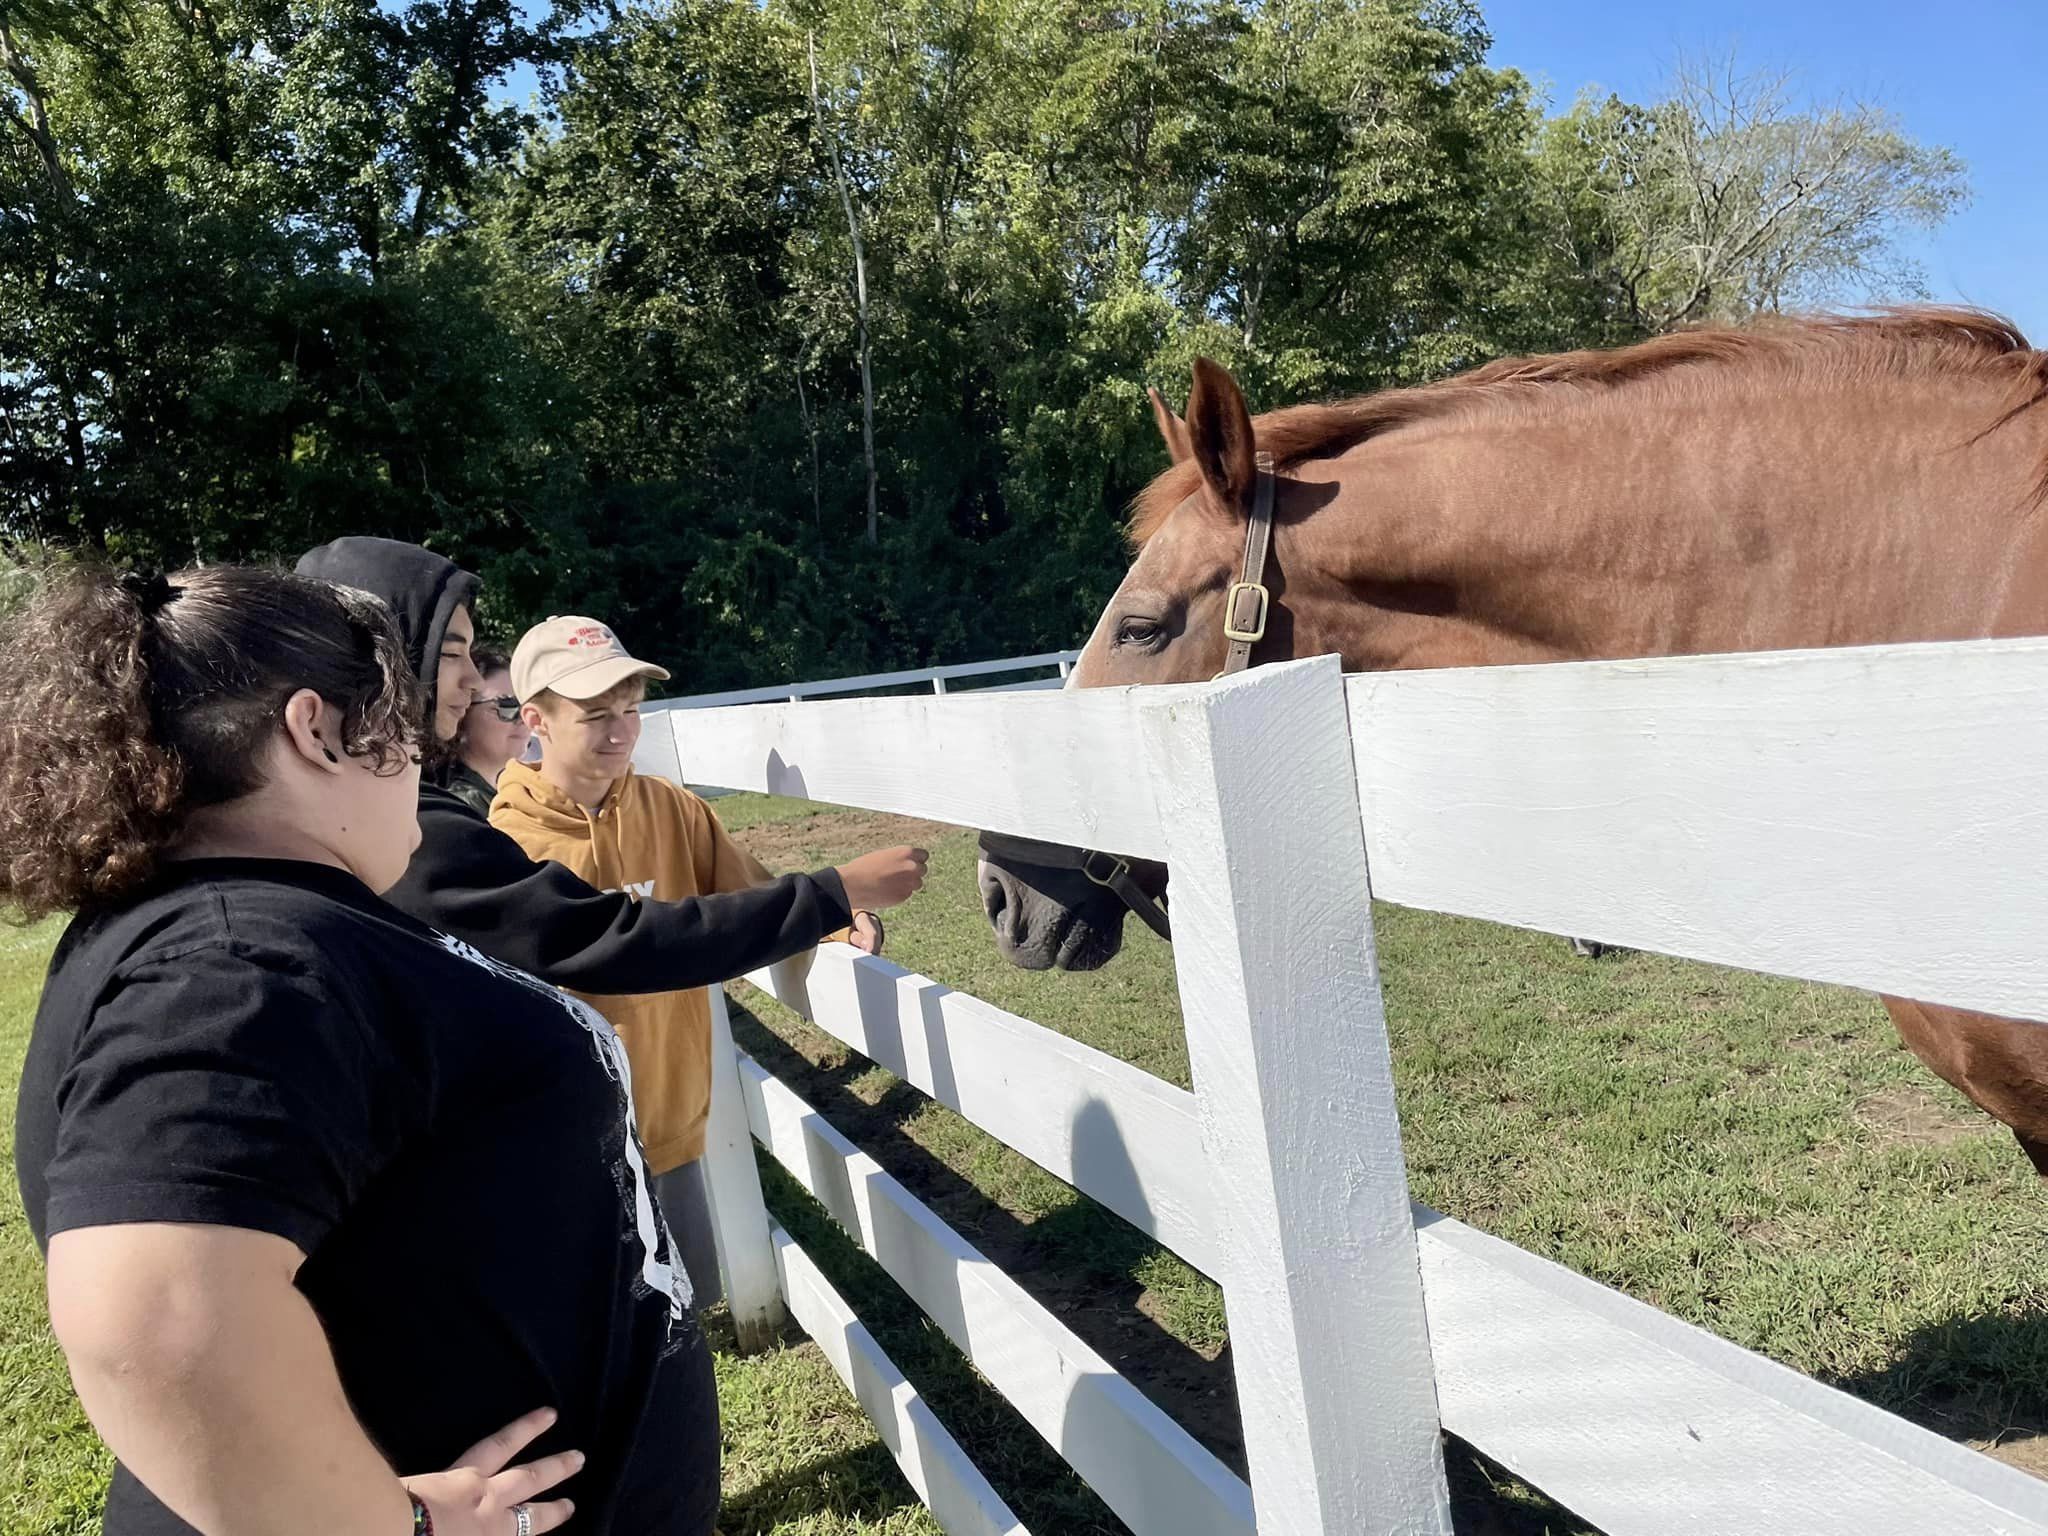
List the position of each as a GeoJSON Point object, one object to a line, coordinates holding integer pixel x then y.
{"type": "Point", "coordinates": [739, 1217]}
{"type": "Point", "coordinates": [1279, 985]}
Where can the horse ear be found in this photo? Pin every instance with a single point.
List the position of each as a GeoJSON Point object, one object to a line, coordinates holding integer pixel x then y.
{"type": "Point", "coordinates": [1220, 438]}
{"type": "Point", "coordinates": [1172, 430]}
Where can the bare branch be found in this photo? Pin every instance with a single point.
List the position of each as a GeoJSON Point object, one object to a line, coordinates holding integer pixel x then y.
{"type": "Point", "coordinates": [860, 281]}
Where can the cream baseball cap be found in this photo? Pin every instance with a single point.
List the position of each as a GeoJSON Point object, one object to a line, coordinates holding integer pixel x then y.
{"type": "Point", "coordinates": [576, 657]}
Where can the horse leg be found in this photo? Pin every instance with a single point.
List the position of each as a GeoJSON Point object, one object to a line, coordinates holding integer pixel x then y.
{"type": "Point", "coordinates": [2001, 1065]}
{"type": "Point", "coordinates": [2037, 1150]}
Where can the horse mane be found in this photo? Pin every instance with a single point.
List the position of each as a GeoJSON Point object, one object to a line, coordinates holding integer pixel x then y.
{"type": "Point", "coordinates": [1916, 340]}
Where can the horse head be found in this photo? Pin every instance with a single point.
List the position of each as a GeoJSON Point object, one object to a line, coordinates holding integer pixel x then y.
{"type": "Point", "coordinates": [1200, 597]}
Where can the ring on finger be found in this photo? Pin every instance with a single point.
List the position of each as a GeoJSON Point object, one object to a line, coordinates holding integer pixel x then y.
{"type": "Point", "coordinates": [522, 1520]}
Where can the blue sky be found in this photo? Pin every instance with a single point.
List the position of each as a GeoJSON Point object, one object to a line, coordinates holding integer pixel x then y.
{"type": "Point", "coordinates": [1971, 75]}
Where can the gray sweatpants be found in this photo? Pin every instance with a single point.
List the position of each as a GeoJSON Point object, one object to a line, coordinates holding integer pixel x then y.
{"type": "Point", "coordinates": [686, 1202]}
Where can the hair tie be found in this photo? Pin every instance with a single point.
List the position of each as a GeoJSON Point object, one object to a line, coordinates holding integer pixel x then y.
{"type": "Point", "coordinates": [150, 589]}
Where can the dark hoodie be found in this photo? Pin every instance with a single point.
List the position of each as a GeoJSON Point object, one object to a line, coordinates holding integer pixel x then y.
{"type": "Point", "coordinates": [471, 880]}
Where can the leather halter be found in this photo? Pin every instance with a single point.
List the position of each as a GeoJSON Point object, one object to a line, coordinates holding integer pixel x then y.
{"type": "Point", "coordinates": [1247, 604]}
{"type": "Point", "coordinates": [1107, 870]}
{"type": "Point", "coordinates": [1246, 607]}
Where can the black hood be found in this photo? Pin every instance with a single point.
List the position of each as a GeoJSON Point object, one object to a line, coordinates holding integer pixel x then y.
{"type": "Point", "coordinates": [422, 588]}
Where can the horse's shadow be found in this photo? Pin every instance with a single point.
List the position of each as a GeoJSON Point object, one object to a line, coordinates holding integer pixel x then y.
{"type": "Point", "coordinates": [1982, 1379]}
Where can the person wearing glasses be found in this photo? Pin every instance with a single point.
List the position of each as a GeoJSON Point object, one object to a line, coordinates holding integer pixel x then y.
{"type": "Point", "coordinates": [493, 733]}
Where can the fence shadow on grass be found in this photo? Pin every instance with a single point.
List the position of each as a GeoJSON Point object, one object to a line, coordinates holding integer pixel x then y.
{"type": "Point", "coordinates": [1079, 1261]}
{"type": "Point", "coordinates": [861, 1484]}
{"type": "Point", "coordinates": [1076, 1261]}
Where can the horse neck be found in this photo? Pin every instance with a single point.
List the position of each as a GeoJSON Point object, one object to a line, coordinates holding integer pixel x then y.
{"type": "Point", "coordinates": [1680, 525]}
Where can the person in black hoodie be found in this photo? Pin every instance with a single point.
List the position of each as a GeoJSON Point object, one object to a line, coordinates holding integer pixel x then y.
{"type": "Point", "coordinates": [471, 880]}
{"type": "Point", "coordinates": [326, 1196]}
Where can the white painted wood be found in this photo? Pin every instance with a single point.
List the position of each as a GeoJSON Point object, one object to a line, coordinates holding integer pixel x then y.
{"type": "Point", "coordinates": [739, 1218]}
{"type": "Point", "coordinates": [1524, 795]}
{"type": "Point", "coordinates": [941, 1474]}
{"type": "Point", "coordinates": [1648, 1426]}
{"type": "Point", "coordinates": [655, 753]}
{"type": "Point", "coordinates": [1287, 1041]}
{"type": "Point", "coordinates": [1145, 1467]}
{"type": "Point", "coordinates": [1872, 817]}
{"type": "Point", "coordinates": [936, 676]}
{"type": "Point", "coordinates": [1116, 1133]}
{"type": "Point", "coordinates": [1055, 765]}
{"type": "Point", "coordinates": [1030, 685]}
{"type": "Point", "coordinates": [1535, 1406]}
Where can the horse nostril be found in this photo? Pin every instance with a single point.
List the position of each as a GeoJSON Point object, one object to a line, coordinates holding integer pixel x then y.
{"type": "Point", "coordinates": [992, 898]}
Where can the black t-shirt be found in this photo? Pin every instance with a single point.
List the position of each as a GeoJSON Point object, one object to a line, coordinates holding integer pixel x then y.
{"type": "Point", "coordinates": [267, 1045]}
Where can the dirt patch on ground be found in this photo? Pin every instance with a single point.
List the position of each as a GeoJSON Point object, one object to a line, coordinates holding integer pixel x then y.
{"type": "Point", "coordinates": [2029, 1453]}
{"type": "Point", "coordinates": [812, 842]}
{"type": "Point", "coordinates": [1911, 1116]}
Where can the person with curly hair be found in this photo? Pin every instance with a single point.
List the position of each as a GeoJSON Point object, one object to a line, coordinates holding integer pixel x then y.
{"type": "Point", "coordinates": [326, 1196]}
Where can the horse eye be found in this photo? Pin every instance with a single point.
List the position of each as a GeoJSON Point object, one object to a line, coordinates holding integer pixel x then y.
{"type": "Point", "coordinates": [1138, 631]}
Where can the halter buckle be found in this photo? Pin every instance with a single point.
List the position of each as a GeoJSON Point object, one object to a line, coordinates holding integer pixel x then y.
{"type": "Point", "coordinates": [1118, 868]}
{"type": "Point", "coordinates": [1247, 633]}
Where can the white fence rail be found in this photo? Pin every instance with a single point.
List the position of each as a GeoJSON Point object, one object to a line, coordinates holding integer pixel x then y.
{"type": "Point", "coordinates": [1874, 818]}
{"type": "Point", "coordinates": [935, 678]}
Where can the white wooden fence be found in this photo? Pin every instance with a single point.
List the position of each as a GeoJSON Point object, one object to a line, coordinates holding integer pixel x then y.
{"type": "Point", "coordinates": [935, 678]}
{"type": "Point", "coordinates": [1872, 817]}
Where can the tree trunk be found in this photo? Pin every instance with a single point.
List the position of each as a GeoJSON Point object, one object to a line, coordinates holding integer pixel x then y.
{"type": "Point", "coordinates": [860, 291]}
{"type": "Point", "coordinates": [36, 126]}
{"type": "Point", "coordinates": [803, 405]}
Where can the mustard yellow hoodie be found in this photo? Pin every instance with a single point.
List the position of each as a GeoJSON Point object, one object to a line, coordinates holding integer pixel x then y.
{"type": "Point", "coordinates": [654, 840]}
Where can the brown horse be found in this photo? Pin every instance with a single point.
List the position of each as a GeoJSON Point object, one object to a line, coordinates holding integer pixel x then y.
{"type": "Point", "coordinates": [1802, 483]}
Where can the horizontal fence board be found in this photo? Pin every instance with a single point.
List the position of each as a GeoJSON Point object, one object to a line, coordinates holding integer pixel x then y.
{"type": "Point", "coordinates": [1504, 1387]}
{"type": "Point", "coordinates": [1872, 817]}
{"type": "Point", "coordinates": [1034, 685]}
{"type": "Point", "coordinates": [780, 692]}
{"type": "Point", "coordinates": [1145, 1467]}
{"type": "Point", "coordinates": [1116, 1133]}
{"type": "Point", "coordinates": [950, 1485]}
{"type": "Point", "coordinates": [654, 755]}
{"type": "Point", "coordinates": [1647, 1426]}
{"type": "Point", "coordinates": [1044, 764]}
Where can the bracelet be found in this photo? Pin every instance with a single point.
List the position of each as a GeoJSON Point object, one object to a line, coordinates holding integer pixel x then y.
{"type": "Point", "coordinates": [422, 1517]}
{"type": "Point", "coordinates": [876, 918]}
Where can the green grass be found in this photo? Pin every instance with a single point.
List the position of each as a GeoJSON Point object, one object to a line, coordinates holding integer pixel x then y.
{"type": "Point", "coordinates": [53, 1470]}
{"type": "Point", "coordinates": [1757, 1156]}
{"type": "Point", "coordinates": [738, 813]}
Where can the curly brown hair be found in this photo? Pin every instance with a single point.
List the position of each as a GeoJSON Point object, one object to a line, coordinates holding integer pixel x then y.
{"type": "Point", "coordinates": [129, 702]}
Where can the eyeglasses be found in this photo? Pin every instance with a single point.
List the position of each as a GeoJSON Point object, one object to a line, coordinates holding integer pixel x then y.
{"type": "Point", "coordinates": [505, 705]}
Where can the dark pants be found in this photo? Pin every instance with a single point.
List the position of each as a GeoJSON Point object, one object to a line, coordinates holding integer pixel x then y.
{"type": "Point", "coordinates": [686, 1202]}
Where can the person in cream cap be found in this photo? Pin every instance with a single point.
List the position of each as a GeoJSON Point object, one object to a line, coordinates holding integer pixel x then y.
{"type": "Point", "coordinates": [583, 806]}
{"type": "Point", "coordinates": [576, 658]}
